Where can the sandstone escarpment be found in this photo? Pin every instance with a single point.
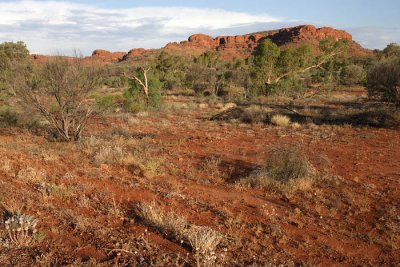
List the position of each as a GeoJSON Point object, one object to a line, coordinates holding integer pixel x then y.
{"type": "Point", "coordinates": [242, 46]}
{"type": "Point", "coordinates": [229, 47]}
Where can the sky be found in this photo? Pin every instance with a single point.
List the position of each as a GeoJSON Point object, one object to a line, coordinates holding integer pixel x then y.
{"type": "Point", "coordinates": [60, 27]}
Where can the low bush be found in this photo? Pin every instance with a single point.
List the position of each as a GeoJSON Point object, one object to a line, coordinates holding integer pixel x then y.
{"type": "Point", "coordinates": [106, 102]}
{"type": "Point", "coordinates": [287, 168]}
{"type": "Point", "coordinates": [116, 82]}
{"type": "Point", "coordinates": [137, 98]}
{"type": "Point", "coordinates": [352, 75]}
{"type": "Point", "coordinates": [383, 81]}
{"type": "Point", "coordinates": [8, 117]}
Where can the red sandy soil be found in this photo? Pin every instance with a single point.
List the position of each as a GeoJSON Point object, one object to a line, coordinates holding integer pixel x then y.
{"type": "Point", "coordinates": [349, 218]}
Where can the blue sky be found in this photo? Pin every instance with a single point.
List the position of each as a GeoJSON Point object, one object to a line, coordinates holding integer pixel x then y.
{"type": "Point", "coordinates": [50, 27]}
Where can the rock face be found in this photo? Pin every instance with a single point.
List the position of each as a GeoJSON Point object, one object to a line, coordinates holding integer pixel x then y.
{"type": "Point", "coordinates": [242, 46]}
{"type": "Point", "coordinates": [141, 55]}
{"type": "Point", "coordinates": [229, 47]}
{"type": "Point", "coordinates": [107, 56]}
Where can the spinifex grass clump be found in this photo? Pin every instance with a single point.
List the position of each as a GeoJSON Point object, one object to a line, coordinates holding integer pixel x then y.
{"type": "Point", "coordinates": [286, 168]}
{"type": "Point", "coordinates": [204, 242]}
{"type": "Point", "coordinates": [21, 229]}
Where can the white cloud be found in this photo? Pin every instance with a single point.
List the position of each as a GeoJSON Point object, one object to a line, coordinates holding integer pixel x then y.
{"type": "Point", "coordinates": [376, 37]}
{"type": "Point", "coordinates": [50, 27]}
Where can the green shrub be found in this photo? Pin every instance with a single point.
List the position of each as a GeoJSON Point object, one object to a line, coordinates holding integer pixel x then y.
{"type": "Point", "coordinates": [116, 82]}
{"type": "Point", "coordinates": [105, 102]}
{"type": "Point", "coordinates": [383, 81]}
{"type": "Point", "coordinates": [352, 75]}
{"type": "Point", "coordinates": [8, 117]}
{"type": "Point", "coordinates": [135, 99]}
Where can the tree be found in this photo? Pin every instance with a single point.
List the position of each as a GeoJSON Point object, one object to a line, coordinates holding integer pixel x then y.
{"type": "Point", "coordinates": [144, 90]}
{"type": "Point", "coordinates": [171, 69]}
{"type": "Point", "coordinates": [206, 73]}
{"type": "Point", "coordinates": [237, 76]}
{"type": "Point", "coordinates": [59, 91]}
{"type": "Point", "coordinates": [391, 50]}
{"type": "Point", "coordinates": [271, 65]}
{"type": "Point", "coordinates": [143, 82]}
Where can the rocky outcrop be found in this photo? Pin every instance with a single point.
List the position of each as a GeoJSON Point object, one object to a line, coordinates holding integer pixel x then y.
{"type": "Point", "coordinates": [140, 54]}
{"type": "Point", "coordinates": [107, 56]}
{"type": "Point", "coordinates": [242, 46]}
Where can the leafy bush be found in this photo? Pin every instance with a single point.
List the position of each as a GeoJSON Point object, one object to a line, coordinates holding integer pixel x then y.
{"type": "Point", "coordinates": [11, 53]}
{"type": "Point", "coordinates": [116, 82]}
{"type": "Point", "coordinates": [383, 81]}
{"type": "Point", "coordinates": [105, 102]}
{"type": "Point", "coordinates": [352, 74]}
{"type": "Point", "coordinates": [135, 98]}
{"type": "Point", "coordinates": [8, 117]}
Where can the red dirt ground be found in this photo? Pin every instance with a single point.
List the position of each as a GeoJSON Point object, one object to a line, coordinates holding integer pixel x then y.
{"type": "Point", "coordinates": [192, 166]}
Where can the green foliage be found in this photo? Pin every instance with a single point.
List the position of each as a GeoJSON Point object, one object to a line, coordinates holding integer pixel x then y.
{"type": "Point", "coordinates": [201, 78]}
{"type": "Point", "coordinates": [383, 80]}
{"type": "Point", "coordinates": [209, 59]}
{"type": "Point", "coordinates": [265, 62]}
{"type": "Point", "coordinates": [276, 71]}
{"type": "Point", "coordinates": [135, 98]}
{"type": "Point", "coordinates": [116, 81]}
{"type": "Point", "coordinates": [8, 117]}
{"type": "Point", "coordinates": [352, 74]}
{"type": "Point", "coordinates": [10, 54]}
{"type": "Point", "coordinates": [171, 70]}
{"type": "Point", "coordinates": [106, 102]}
{"type": "Point", "coordinates": [206, 74]}
{"type": "Point", "coordinates": [236, 75]}
{"type": "Point", "coordinates": [391, 50]}
{"type": "Point", "coordinates": [271, 65]}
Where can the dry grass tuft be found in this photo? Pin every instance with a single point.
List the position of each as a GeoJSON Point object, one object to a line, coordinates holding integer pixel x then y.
{"type": "Point", "coordinates": [168, 223]}
{"type": "Point", "coordinates": [21, 230]}
{"type": "Point", "coordinates": [281, 120]}
{"type": "Point", "coordinates": [204, 242]}
{"type": "Point", "coordinates": [202, 239]}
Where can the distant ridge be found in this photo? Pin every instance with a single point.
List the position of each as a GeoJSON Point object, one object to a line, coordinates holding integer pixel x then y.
{"type": "Point", "coordinates": [230, 47]}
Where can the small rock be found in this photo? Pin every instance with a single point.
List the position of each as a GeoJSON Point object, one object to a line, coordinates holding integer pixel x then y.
{"type": "Point", "coordinates": [203, 105]}
{"type": "Point", "coordinates": [104, 166]}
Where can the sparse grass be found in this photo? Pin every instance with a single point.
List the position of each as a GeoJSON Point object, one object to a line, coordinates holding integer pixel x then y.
{"type": "Point", "coordinates": [31, 174]}
{"type": "Point", "coordinates": [54, 190]}
{"type": "Point", "coordinates": [211, 167]}
{"type": "Point", "coordinates": [286, 168]}
{"type": "Point", "coordinates": [107, 152]}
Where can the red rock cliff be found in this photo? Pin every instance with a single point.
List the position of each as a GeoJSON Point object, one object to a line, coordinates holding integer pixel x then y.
{"type": "Point", "coordinates": [242, 46]}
